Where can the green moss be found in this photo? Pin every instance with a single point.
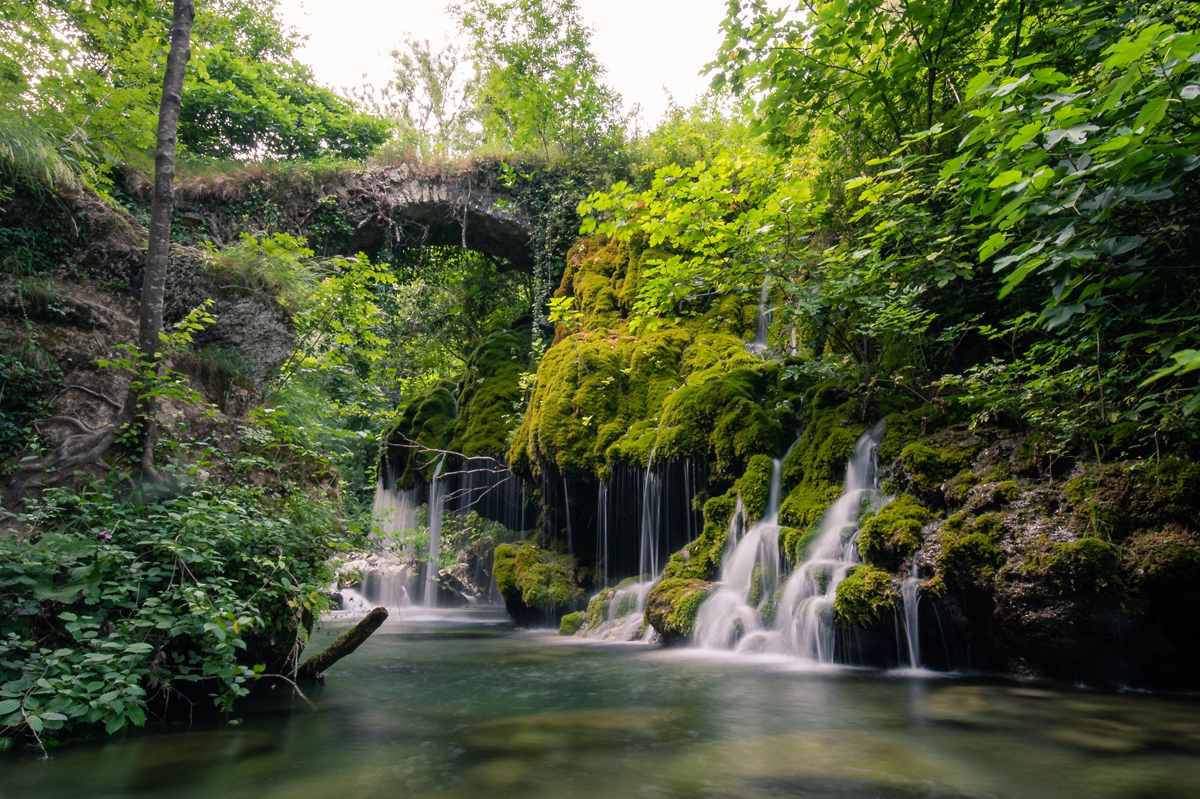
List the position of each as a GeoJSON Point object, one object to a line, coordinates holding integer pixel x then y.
{"type": "Point", "coordinates": [701, 559]}
{"type": "Point", "coordinates": [754, 487]}
{"type": "Point", "coordinates": [719, 510]}
{"type": "Point", "coordinates": [428, 421]}
{"type": "Point", "coordinates": [487, 393]}
{"type": "Point", "coordinates": [1177, 485]}
{"type": "Point", "coordinates": [863, 597]}
{"type": "Point", "coordinates": [891, 536]}
{"type": "Point", "coordinates": [597, 609]}
{"type": "Point", "coordinates": [1087, 566]}
{"type": "Point", "coordinates": [528, 576]}
{"type": "Point", "coordinates": [966, 557]}
{"type": "Point", "coordinates": [672, 606]}
{"type": "Point", "coordinates": [571, 623]}
{"type": "Point", "coordinates": [800, 514]}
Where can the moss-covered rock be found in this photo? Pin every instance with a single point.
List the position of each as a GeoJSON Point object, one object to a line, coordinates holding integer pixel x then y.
{"type": "Point", "coordinates": [672, 606]}
{"type": "Point", "coordinates": [891, 536]}
{"type": "Point", "coordinates": [968, 550]}
{"type": "Point", "coordinates": [1087, 566]}
{"type": "Point", "coordinates": [572, 623]}
{"type": "Point", "coordinates": [535, 583]}
{"type": "Point", "coordinates": [863, 597]}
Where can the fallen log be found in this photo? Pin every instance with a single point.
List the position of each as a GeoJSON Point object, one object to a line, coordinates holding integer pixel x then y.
{"type": "Point", "coordinates": [343, 645]}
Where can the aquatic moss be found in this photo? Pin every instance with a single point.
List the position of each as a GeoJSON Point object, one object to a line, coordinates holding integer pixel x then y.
{"type": "Point", "coordinates": [754, 487]}
{"type": "Point", "coordinates": [719, 510]}
{"type": "Point", "coordinates": [571, 623]}
{"type": "Point", "coordinates": [672, 607]}
{"type": "Point", "coordinates": [891, 536]}
{"type": "Point", "coordinates": [427, 421]}
{"type": "Point", "coordinates": [967, 556]}
{"type": "Point", "coordinates": [701, 559]}
{"type": "Point", "coordinates": [862, 598]}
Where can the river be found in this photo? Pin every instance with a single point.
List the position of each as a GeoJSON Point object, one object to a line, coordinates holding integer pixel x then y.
{"type": "Point", "coordinates": [462, 705]}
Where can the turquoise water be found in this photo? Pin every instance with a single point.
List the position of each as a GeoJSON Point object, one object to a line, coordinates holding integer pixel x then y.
{"type": "Point", "coordinates": [464, 707]}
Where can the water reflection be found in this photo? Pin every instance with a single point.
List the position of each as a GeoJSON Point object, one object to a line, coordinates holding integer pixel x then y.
{"type": "Point", "coordinates": [439, 709]}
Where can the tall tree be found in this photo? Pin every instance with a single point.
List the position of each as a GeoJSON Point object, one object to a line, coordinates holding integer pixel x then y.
{"type": "Point", "coordinates": [88, 446]}
{"type": "Point", "coordinates": [537, 84]}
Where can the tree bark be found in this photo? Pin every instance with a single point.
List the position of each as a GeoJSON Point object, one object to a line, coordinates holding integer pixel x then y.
{"type": "Point", "coordinates": [343, 645]}
{"type": "Point", "coordinates": [162, 208]}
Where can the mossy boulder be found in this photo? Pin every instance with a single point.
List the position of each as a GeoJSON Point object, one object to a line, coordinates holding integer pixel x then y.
{"type": "Point", "coordinates": [534, 582]}
{"type": "Point", "coordinates": [572, 623]}
{"type": "Point", "coordinates": [1085, 567]}
{"type": "Point", "coordinates": [863, 597]}
{"type": "Point", "coordinates": [672, 607]}
{"type": "Point", "coordinates": [891, 536]}
{"type": "Point", "coordinates": [801, 514]}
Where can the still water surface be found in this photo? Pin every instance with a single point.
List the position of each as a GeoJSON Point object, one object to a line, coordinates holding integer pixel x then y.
{"type": "Point", "coordinates": [467, 707]}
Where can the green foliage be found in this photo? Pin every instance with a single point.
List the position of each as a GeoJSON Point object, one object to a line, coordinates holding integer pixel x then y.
{"type": "Point", "coordinates": [537, 85]}
{"type": "Point", "coordinates": [863, 597]}
{"type": "Point", "coordinates": [109, 597]}
{"type": "Point", "coordinates": [894, 534]}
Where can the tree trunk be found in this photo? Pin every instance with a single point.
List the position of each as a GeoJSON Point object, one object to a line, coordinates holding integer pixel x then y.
{"type": "Point", "coordinates": [162, 207]}
{"type": "Point", "coordinates": [343, 645]}
{"type": "Point", "coordinates": [87, 448]}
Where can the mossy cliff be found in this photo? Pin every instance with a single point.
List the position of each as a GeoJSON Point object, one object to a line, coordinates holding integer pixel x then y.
{"type": "Point", "coordinates": [606, 393]}
{"type": "Point", "coordinates": [1081, 578]}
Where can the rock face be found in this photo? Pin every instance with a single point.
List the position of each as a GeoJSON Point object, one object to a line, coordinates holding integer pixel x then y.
{"type": "Point", "coordinates": [261, 334]}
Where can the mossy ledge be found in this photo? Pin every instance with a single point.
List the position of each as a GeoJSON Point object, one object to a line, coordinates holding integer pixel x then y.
{"type": "Point", "coordinates": [672, 607]}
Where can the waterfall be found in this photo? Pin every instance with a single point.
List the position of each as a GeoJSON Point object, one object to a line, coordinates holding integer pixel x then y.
{"type": "Point", "coordinates": [912, 599]}
{"type": "Point", "coordinates": [437, 500]}
{"type": "Point", "coordinates": [602, 532]}
{"type": "Point", "coordinates": [651, 503]}
{"type": "Point", "coordinates": [749, 577]}
{"type": "Point", "coordinates": [759, 345]}
{"type": "Point", "coordinates": [567, 505]}
{"type": "Point", "coordinates": [805, 617]}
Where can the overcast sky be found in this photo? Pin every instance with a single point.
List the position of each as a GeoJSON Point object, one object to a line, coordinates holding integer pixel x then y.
{"type": "Point", "coordinates": [644, 44]}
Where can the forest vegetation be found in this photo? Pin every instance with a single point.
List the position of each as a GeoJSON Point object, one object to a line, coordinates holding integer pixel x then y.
{"type": "Point", "coordinates": [974, 219]}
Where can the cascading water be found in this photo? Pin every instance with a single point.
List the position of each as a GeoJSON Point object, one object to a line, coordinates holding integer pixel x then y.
{"type": "Point", "coordinates": [805, 616]}
{"type": "Point", "coordinates": [567, 506]}
{"type": "Point", "coordinates": [911, 596]}
{"type": "Point", "coordinates": [602, 531]}
{"type": "Point", "coordinates": [732, 616]}
{"type": "Point", "coordinates": [651, 503]}
{"type": "Point", "coordinates": [759, 345]}
{"type": "Point", "coordinates": [437, 502]}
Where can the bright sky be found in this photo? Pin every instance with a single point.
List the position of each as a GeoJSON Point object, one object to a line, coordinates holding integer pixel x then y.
{"type": "Point", "coordinates": [644, 44]}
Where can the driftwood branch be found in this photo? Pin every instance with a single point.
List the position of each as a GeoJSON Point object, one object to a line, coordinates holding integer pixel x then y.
{"type": "Point", "coordinates": [342, 646]}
